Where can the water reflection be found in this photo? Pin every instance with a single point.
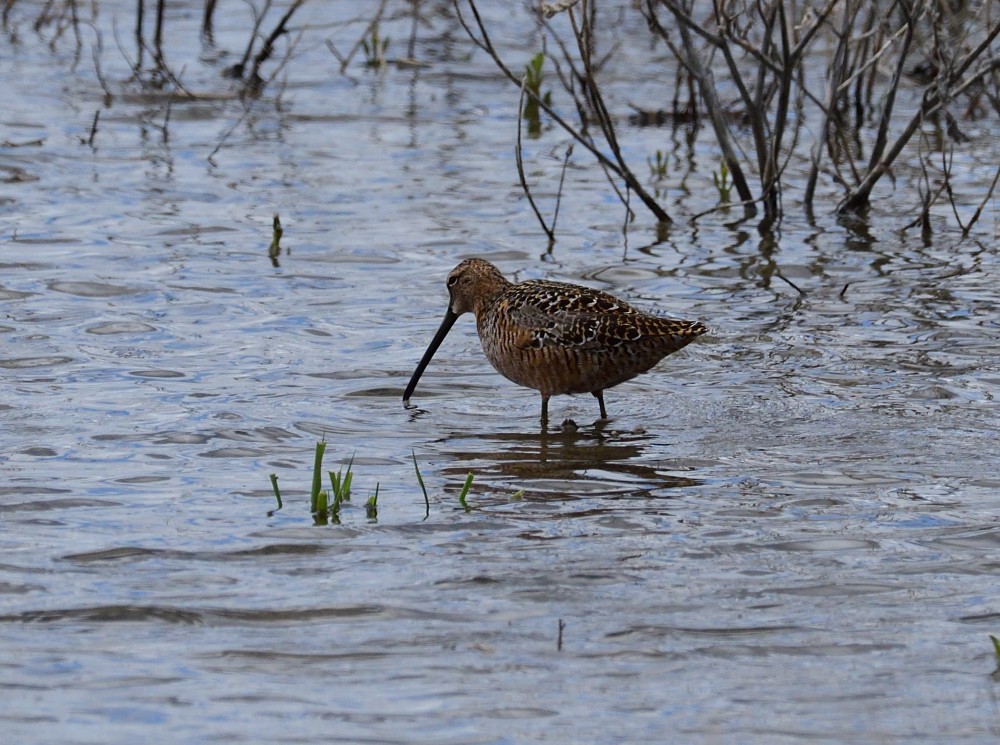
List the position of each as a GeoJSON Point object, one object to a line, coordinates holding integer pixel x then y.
{"type": "Point", "coordinates": [591, 462]}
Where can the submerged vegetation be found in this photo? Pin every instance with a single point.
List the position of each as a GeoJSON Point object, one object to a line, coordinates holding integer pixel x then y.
{"type": "Point", "coordinates": [534, 76]}
{"type": "Point", "coordinates": [274, 249]}
{"type": "Point", "coordinates": [996, 656]}
{"type": "Point", "coordinates": [375, 48]}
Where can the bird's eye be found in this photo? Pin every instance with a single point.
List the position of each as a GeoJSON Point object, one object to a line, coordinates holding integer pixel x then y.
{"type": "Point", "coordinates": [452, 281]}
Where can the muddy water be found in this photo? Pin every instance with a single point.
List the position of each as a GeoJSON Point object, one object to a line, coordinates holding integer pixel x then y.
{"type": "Point", "coordinates": [788, 532]}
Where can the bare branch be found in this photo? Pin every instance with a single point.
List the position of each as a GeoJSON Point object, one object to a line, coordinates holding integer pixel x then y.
{"type": "Point", "coordinates": [520, 164]}
{"type": "Point", "coordinates": [484, 42]}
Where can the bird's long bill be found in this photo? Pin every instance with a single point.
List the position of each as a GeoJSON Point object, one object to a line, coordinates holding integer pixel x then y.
{"type": "Point", "coordinates": [446, 324]}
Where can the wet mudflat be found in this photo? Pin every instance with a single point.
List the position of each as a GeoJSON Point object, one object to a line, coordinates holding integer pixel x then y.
{"type": "Point", "coordinates": [788, 532]}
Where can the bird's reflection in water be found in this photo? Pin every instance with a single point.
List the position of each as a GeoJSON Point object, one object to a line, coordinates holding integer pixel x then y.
{"type": "Point", "coordinates": [566, 463]}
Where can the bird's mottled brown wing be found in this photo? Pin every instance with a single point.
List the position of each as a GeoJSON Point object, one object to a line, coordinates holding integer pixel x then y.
{"type": "Point", "coordinates": [553, 314]}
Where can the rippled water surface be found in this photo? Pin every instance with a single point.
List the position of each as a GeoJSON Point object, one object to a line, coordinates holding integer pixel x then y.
{"type": "Point", "coordinates": [787, 532]}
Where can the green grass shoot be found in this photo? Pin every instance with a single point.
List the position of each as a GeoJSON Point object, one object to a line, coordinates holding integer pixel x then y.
{"type": "Point", "coordinates": [317, 480]}
{"type": "Point", "coordinates": [420, 480]}
{"type": "Point", "coordinates": [274, 250]}
{"type": "Point", "coordinates": [371, 506]}
{"type": "Point", "coordinates": [658, 170]}
{"type": "Point", "coordinates": [996, 646]}
{"type": "Point", "coordinates": [465, 492]}
{"type": "Point", "coordinates": [277, 494]}
{"type": "Point", "coordinates": [375, 48]}
{"type": "Point", "coordinates": [335, 509]}
{"type": "Point", "coordinates": [532, 81]}
{"type": "Point", "coordinates": [723, 182]}
{"type": "Point", "coordinates": [340, 483]}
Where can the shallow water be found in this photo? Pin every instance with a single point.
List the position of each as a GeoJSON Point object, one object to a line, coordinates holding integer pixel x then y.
{"type": "Point", "coordinates": [788, 532]}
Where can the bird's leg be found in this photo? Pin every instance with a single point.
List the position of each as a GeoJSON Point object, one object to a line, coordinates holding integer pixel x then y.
{"type": "Point", "coordinates": [545, 410]}
{"type": "Point", "coordinates": [599, 395]}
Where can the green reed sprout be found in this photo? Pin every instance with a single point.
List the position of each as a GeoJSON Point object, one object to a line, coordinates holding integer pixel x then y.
{"type": "Point", "coordinates": [658, 168]}
{"type": "Point", "coordinates": [317, 479]}
{"type": "Point", "coordinates": [420, 480]}
{"type": "Point", "coordinates": [465, 492]}
{"type": "Point", "coordinates": [277, 494]}
{"type": "Point", "coordinates": [723, 182]}
{"type": "Point", "coordinates": [274, 250]}
{"type": "Point", "coordinates": [533, 78]}
{"type": "Point", "coordinates": [375, 48]}
{"type": "Point", "coordinates": [340, 482]}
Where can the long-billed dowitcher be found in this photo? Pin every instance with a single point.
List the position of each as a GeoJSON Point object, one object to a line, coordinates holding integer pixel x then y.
{"type": "Point", "coordinates": [554, 337]}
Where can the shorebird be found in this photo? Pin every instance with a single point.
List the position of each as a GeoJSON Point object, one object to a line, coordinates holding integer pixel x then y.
{"type": "Point", "coordinates": [554, 337]}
